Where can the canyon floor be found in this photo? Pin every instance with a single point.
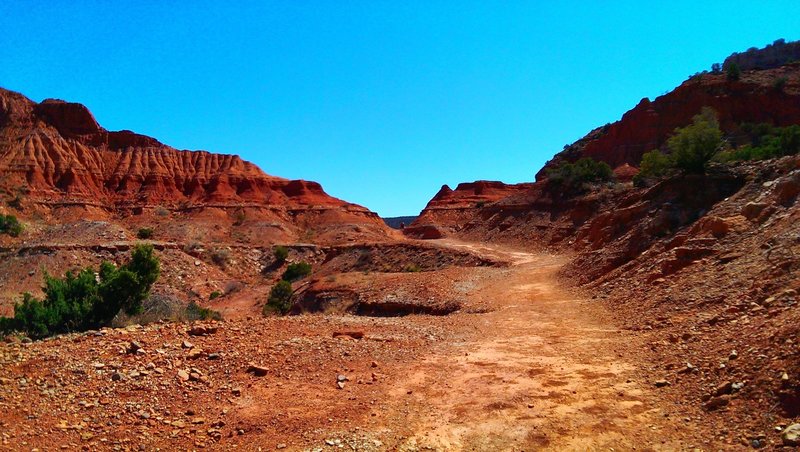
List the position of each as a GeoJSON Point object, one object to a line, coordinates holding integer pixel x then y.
{"type": "Point", "coordinates": [527, 364]}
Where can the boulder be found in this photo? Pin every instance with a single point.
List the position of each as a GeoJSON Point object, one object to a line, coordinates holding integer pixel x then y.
{"type": "Point", "coordinates": [752, 210]}
{"type": "Point", "coordinates": [258, 371]}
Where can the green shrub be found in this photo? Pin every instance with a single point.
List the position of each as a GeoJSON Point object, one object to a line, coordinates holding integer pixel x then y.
{"type": "Point", "coordinates": [732, 72]}
{"type": "Point", "coordinates": [10, 225]}
{"type": "Point", "coordinates": [144, 233]}
{"type": "Point", "coordinates": [693, 146]}
{"type": "Point", "coordinates": [412, 268]}
{"type": "Point", "coordinates": [779, 83]}
{"type": "Point", "coordinates": [654, 164]}
{"type": "Point", "coordinates": [83, 301]}
{"type": "Point", "coordinates": [789, 140]}
{"type": "Point", "coordinates": [766, 142]}
{"type": "Point", "coordinates": [196, 312]}
{"type": "Point", "coordinates": [576, 177]}
{"type": "Point", "coordinates": [281, 253]}
{"type": "Point", "coordinates": [280, 298]}
{"type": "Point", "coordinates": [214, 295]}
{"type": "Point", "coordinates": [296, 271]}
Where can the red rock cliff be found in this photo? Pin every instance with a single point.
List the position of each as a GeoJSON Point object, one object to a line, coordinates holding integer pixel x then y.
{"type": "Point", "coordinates": [754, 98]}
{"type": "Point", "coordinates": [56, 151]}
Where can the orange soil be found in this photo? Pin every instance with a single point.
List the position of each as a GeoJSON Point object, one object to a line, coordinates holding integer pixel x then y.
{"type": "Point", "coordinates": [537, 367]}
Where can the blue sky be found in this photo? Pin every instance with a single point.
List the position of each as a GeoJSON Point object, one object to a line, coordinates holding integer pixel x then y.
{"type": "Point", "coordinates": [381, 102]}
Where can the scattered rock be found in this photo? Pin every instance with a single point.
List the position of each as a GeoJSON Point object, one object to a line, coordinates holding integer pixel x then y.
{"type": "Point", "coordinates": [201, 330]}
{"type": "Point", "coordinates": [752, 210]}
{"type": "Point", "coordinates": [724, 388]}
{"type": "Point", "coordinates": [187, 344]}
{"type": "Point", "coordinates": [183, 375]}
{"type": "Point", "coordinates": [717, 402]}
{"type": "Point", "coordinates": [134, 347]}
{"type": "Point", "coordinates": [661, 383]}
{"type": "Point", "coordinates": [353, 334]}
{"type": "Point", "coordinates": [258, 371]}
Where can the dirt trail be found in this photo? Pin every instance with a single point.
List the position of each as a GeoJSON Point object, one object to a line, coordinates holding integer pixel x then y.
{"type": "Point", "coordinates": [543, 370]}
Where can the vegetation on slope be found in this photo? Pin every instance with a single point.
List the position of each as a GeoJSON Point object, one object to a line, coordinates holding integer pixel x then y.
{"type": "Point", "coordinates": [693, 147]}
{"type": "Point", "coordinates": [280, 297]}
{"type": "Point", "coordinates": [578, 177]}
{"type": "Point", "coordinates": [86, 300]}
{"type": "Point", "coordinates": [10, 225]}
{"type": "Point", "coordinates": [764, 141]}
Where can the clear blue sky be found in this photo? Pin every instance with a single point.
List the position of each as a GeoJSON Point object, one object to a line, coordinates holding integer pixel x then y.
{"type": "Point", "coordinates": [381, 102]}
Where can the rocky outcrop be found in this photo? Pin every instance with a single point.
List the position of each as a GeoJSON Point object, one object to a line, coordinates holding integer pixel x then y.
{"type": "Point", "coordinates": [56, 151]}
{"type": "Point", "coordinates": [468, 194]}
{"type": "Point", "coordinates": [771, 96]}
{"type": "Point", "coordinates": [451, 209]}
{"type": "Point", "coordinates": [55, 159]}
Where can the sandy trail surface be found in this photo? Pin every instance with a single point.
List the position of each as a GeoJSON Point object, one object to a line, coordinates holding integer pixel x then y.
{"type": "Point", "coordinates": [525, 364]}
{"type": "Point", "coordinates": [543, 369]}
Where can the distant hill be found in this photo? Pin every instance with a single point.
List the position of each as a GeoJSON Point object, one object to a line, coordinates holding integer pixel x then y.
{"type": "Point", "coordinates": [394, 222]}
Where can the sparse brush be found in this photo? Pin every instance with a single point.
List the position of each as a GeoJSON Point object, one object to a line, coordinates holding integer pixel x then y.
{"type": "Point", "coordinates": [16, 201]}
{"type": "Point", "coordinates": [281, 253]}
{"type": "Point", "coordinates": [196, 312]}
{"type": "Point", "coordinates": [296, 271]}
{"type": "Point", "coordinates": [10, 225]}
{"type": "Point", "coordinates": [233, 287]}
{"type": "Point", "coordinates": [194, 248]}
{"type": "Point", "coordinates": [239, 217]}
{"type": "Point", "coordinates": [280, 299]}
{"type": "Point", "coordinates": [220, 257]}
{"type": "Point", "coordinates": [144, 233]}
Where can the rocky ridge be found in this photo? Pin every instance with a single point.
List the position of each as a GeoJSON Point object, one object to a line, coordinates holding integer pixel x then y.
{"type": "Point", "coordinates": [56, 152]}
{"type": "Point", "coordinates": [771, 95]}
